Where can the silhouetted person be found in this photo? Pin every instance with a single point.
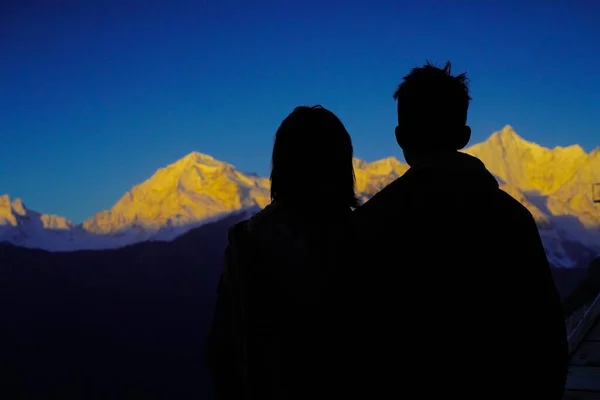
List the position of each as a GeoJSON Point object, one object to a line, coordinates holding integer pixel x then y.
{"type": "Point", "coordinates": [274, 330]}
{"type": "Point", "coordinates": [456, 295]}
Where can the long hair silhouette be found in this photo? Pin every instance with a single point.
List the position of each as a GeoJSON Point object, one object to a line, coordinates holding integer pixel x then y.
{"type": "Point", "coordinates": [313, 151]}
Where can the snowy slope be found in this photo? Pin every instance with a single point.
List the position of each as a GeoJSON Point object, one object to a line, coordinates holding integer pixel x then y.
{"type": "Point", "coordinates": [27, 228]}
{"type": "Point", "coordinates": [192, 189]}
{"type": "Point", "coordinates": [555, 185]}
{"type": "Point", "coordinates": [528, 165]}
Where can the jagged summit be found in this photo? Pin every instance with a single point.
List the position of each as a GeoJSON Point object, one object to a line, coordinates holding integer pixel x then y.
{"type": "Point", "coordinates": [507, 137]}
{"type": "Point", "coordinates": [196, 157]}
{"type": "Point", "coordinates": [14, 213]}
{"type": "Point", "coordinates": [11, 210]}
{"type": "Point", "coordinates": [6, 201]}
{"type": "Point", "coordinates": [191, 162]}
{"type": "Point", "coordinates": [527, 165]}
{"type": "Point", "coordinates": [374, 176]}
{"type": "Point", "coordinates": [7, 211]}
{"type": "Point", "coordinates": [18, 206]}
{"type": "Point", "coordinates": [508, 133]}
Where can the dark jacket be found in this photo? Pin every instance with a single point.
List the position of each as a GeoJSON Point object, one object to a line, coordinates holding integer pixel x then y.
{"type": "Point", "coordinates": [458, 296]}
{"type": "Point", "coordinates": [272, 333]}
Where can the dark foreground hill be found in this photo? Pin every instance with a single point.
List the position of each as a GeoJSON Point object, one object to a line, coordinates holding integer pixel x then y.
{"type": "Point", "coordinates": [126, 323]}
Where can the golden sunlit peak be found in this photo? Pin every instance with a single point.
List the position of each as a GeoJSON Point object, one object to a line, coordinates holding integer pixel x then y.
{"type": "Point", "coordinates": [192, 189]}
{"type": "Point", "coordinates": [19, 206]}
{"type": "Point", "coordinates": [196, 159]}
{"type": "Point", "coordinates": [199, 158]}
{"type": "Point", "coordinates": [13, 212]}
{"type": "Point", "coordinates": [4, 200]}
{"type": "Point", "coordinates": [508, 133]}
{"type": "Point", "coordinates": [16, 204]}
{"type": "Point", "coordinates": [196, 155]}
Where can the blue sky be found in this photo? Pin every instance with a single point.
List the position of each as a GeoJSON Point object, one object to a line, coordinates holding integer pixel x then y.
{"type": "Point", "coordinates": [97, 95]}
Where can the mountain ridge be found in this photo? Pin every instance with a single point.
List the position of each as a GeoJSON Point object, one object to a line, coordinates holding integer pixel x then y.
{"type": "Point", "coordinates": [551, 183]}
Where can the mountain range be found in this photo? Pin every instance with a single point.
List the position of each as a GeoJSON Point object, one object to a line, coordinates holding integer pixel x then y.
{"type": "Point", "coordinates": [554, 184]}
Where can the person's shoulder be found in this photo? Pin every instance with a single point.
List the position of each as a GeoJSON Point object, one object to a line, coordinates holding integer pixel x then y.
{"type": "Point", "coordinates": [237, 233]}
{"type": "Point", "coordinates": [513, 208]}
{"type": "Point", "coordinates": [255, 222]}
{"type": "Point", "coordinates": [382, 202]}
{"type": "Point", "coordinates": [271, 213]}
{"type": "Point", "coordinates": [518, 221]}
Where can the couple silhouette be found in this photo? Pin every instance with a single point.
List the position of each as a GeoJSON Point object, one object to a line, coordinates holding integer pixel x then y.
{"type": "Point", "coordinates": [438, 286]}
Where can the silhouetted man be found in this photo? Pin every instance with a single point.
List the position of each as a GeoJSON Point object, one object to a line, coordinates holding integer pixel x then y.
{"type": "Point", "coordinates": [455, 296]}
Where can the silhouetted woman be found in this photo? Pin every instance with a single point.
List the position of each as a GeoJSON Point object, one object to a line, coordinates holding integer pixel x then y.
{"type": "Point", "coordinates": [274, 332]}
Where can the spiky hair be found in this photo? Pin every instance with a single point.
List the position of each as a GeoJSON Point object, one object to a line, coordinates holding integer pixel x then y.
{"type": "Point", "coordinates": [431, 95]}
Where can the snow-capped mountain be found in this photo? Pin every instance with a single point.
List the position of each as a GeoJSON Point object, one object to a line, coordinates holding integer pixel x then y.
{"type": "Point", "coordinates": [192, 189]}
{"type": "Point", "coordinates": [28, 228]}
{"type": "Point", "coordinates": [554, 184]}
{"type": "Point", "coordinates": [526, 165]}
{"type": "Point", "coordinates": [374, 176]}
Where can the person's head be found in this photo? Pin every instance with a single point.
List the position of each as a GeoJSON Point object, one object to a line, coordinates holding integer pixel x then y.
{"type": "Point", "coordinates": [312, 160]}
{"type": "Point", "coordinates": [432, 111]}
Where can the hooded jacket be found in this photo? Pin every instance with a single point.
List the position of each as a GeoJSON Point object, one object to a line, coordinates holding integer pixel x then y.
{"type": "Point", "coordinates": [459, 297]}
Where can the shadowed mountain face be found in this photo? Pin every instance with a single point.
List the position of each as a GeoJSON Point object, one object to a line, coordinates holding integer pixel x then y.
{"type": "Point", "coordinates": [124, 323]}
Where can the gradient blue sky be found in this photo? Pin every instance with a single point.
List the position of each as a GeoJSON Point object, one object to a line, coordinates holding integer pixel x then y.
{"type": "Point", "coordinates": [97, 95]}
